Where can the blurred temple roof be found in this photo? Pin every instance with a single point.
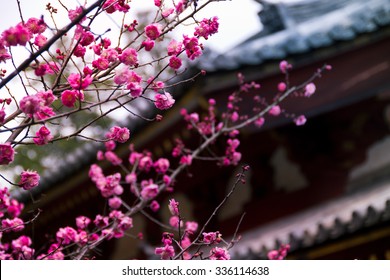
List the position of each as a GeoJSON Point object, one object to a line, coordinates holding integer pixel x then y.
{"type": "Point", "coordinates": [301, 27]}
{"type": "Point", "coordinates": [331, 220]}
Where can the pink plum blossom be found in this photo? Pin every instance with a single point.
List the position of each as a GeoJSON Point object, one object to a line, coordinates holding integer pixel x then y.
{"type": "Point", "coordinates": [101, 221]}
{"type": "Point", "coordinates": [161, 165]}
{"type": "Point", "coordinates": [174, 221]}
{"type": "Point", "coordinates": [110, 145]}
{"type": "Point", "coordinates": [40, 40]}
{"type": "Point", "coordinates": [69, 97]}
{"type": "Point", "coordinates": [275, 110]}
{"type": "Point", "coordinates": [131, 178]}
{"type": "Point", "coordinates": [77, 82]}
{"type": "Point", "coordinates": [35, 25]}
{"type": "Point", "coordinates": [145, 163]}
{"type": "Point", "coordinates": [192, 47]}
{"type": "Point", "coordinates": [300, 120]}
{"type": "Point", "coordinates": [54, 253]}
{"type": "Point", "coordinates": [282, 86]}
{"type": "Point", "coordinates": [149, 192]}
{"type": "Point", "coordinates": [180, 6]}
{"type": "Point", "coordinates": [165, 252]}
{"type": "Point", "coordinates": [119, 134]}
{"type": "Point", "coordinates": [173, 207]}
{"type": "Point", "coordinates": [82, 222]}
{"type": "Point", "coordinates": [310, 89]}
{"type": "Point", "coordinates": [129, 57]}
{"type": "Point", "coordinates": [191, 227]}
{"type": "Point", "coordinates": [115, 202]}
{"type": "Point", "coordinates": [21, 241]}
{"type": "Point", "coordinates": [218, 253]}
{"type": "Point", "coordinates": [153, 31]}
{"type": "Point", "coordinates": [18, 35]}
{"type": "Point", "coordinates": [74, 13]}
{"type": "Point", "coordinates": [67, 235]}
{"type": "Point", "coordinates": [4, 55]}
{"type": "Point", "coordinates": [135, 89]}
{"type": "Point", "coordinates": [113, 158]}
{"type": "Point", "coordinates": [14, 208]}
{"type": "Point", "coordinates": [101, 63]}
{"type": "Point", "coordinates": [148, 44]}
{"type": "Point", "coordinates": [47, 97]}
{"type": "Point", "coordinates": [167, 12]}
{"type": "Point", "coordinates": [111, 186]}
{"type": "Point", "coordinates": [112, 6]}
{"type": "Point", "coordinates": [174, 47]}
{"type": "Point", "coordinates": [29, 180]}
{"type": "Point", "coordinates": [31, 104]}
{"type": "Point", "coordinates": [164, 101]}
{"type": "Point", "coordinates": [234, 117]}
{"type": "Point", "coordinates": [211, 237]}
{"type": "Point", "coordinates": [42, 136]}
{"type": "Point", "coordinates": [207, 27]}
{"type": "Point", "coordinates": [279, 254]}
{"type": "Point", "coordinates": [7, 154]}
{"type": "Point", "coordinates": [186, 160]}
{"type": "Point", "coordinates": [86, 38]}
{"type": "Point", "coordinates": [122, 76]}
{"type": "Point", "coordinates": [14, 224]}
{"type": "Point", "coordinates": [175, 62]}
{"type": "Point", "coordinates": [259, 122]}
{"type": "Point", "coordinates": [284, 66]}
{"type": "Point", "coordinates": [110, 54]}
{"type": "Point", "coordinates": [154, 206]}
{"type": "Point", "coordinates": [79, 51]}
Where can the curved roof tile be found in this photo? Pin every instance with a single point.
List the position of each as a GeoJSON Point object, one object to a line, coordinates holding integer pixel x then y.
{"type": "Point", "coordinates": [308, 25]}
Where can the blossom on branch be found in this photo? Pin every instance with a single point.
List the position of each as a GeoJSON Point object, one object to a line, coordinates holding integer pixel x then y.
{"type": "Point", "coordinates": [164, 101]}
{"type": "Point", "coordinates": [119, 134]}
{"type": "Point", "coordinates": [310, 89]}
{"type": "Point", "coordinates": [43, 136]}
{"type": "Point", "coordinates": [173, 207]}
{"type": "Point", "coordinates": [207, 27]}
{"type": "Point", "coordinates": [14, 224]}
{"type": "Point", "coordinates": [7, 154]}
{"type": "Point", "coordinates": [129, 57]}
{"type": "Point", "coordinates": [153, 31]}
{"type": "Point", "coordinates": [29, 180]}
{"type": "Point", "coordinates": [67, 235]}
{"type": "Point", "coordinates": [218, 253]}
{"type": "Point", "coordinates": [165, 252]}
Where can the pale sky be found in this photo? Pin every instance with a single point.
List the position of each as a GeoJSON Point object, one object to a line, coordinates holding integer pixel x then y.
{"type": "Point", "coordinates": [238, 18]}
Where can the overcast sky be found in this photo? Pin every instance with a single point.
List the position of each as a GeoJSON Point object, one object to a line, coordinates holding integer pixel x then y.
{"type": "Point", "coordinates": [238, 18]}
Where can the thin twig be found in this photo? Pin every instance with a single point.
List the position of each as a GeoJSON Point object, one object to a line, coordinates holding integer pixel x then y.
{"type": "Point", "coordinates": [240, 176]}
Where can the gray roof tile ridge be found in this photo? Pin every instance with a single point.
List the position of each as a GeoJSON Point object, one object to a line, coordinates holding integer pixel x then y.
{"type": "Point", "coordinates": [309, 222]}
{"type": "Point", "coordinates": [342, 24]}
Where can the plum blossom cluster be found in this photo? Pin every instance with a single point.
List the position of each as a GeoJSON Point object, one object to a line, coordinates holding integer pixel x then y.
{"type": "Point", "coordinates": [38, 105]}
{"type": "Point", "coordinates": [7, 154]}
{"type": "Point", "coordinates": [279, 254]}
{"type": "Point", "coordinates": [10, 210]}
{"type": "Point", "coordinates": [176, 246]}
{"type": "Point", "coordinates": [146, 189]}
{"type": "Point", "coordinates": [284, 89]}
{"type": "Point", "coordinates": [87, 232]}
{"type": "Point", "coordinates": [29, 179]}
{"type": "Point", "coordinates": [207, 27]}
{"type": "Point", "coordinates": [89, 60]}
